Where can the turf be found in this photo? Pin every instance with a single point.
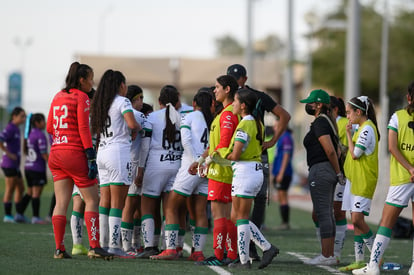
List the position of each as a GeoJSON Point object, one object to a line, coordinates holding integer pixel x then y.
{"type": "Point", "coordinates": [28, 249]}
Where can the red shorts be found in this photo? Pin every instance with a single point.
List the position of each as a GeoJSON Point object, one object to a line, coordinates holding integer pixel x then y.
{"type": "Point", "coordinates": [219, 191]}
{"type": "Point", "coordinates": [70, 164]}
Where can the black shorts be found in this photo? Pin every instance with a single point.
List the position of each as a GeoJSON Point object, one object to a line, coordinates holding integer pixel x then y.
{"type": "Point", "coordinates": [12, 172]}
{"type": "Point", "coordinates": [284, 185]}
{"type": "Point", "coordinates": [35, 178]}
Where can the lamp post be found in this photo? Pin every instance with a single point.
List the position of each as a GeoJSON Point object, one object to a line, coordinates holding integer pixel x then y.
{"type": "Point", "coordinates": [311, 20]}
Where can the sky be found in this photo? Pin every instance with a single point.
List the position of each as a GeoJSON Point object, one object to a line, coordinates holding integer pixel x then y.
{"type": "Point", "coordinates": [42, 38]}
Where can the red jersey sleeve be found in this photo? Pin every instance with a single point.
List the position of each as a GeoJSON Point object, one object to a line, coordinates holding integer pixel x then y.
{"type": "Point", "coordinates": [83, 120]}
{"type": "Point", "coordinates": [49, 124]}
{"type": "Point", "coordinates": [228, 124]}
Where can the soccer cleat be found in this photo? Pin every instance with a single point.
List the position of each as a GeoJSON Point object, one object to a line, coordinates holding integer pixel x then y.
{"type": "Point", "coordinates": [322, 260]}
{"type": "Point", "coordinates": [196, 256]}
{"type": "Point", "coordinates": [211, 261]}
{"type": "Point", "coordinates": [168, 254]}
{"type": "Point", "coordinates": [238, 265]}
{"type": "Point", "coordinates": [268, 256]}
{"type": "Point", "coordinates": [132, 252]}
{"type": "Point", "coordinates": [9, 219]}
{"type": "Point", "coordinates": [37, 220]}
{"type": "Point", "coordinates": [20, 218]}
{"type": "Point", "coordinates": [355, 265]}
{"type": "Point", "coordinates": [59, 254]}
{"type": "Point", "coordinates": [98, 252]}
{"type": "Point", "coordinates": [79, 249]}
{"type": "Point", "coordinates": [370, 270]}
{"type": "Point", "coordinates": [119, 253]}
{"type": "Point", "coordinates": [148, 251]}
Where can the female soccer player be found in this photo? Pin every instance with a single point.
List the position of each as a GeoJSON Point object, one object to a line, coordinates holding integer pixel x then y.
{"type": "Point", "coordinates": [72, 158]}
{"type": "Point", "coordinates": [114, 124]}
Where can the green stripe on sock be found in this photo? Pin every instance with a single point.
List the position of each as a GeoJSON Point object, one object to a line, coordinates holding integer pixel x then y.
{"type": "Point", "coordinates": [192, 222]}
{"type": "Point", "coordinates": [115, 212]}
{"type": "Point", "coordinates": [148, 216]}
{"type": "Point", "coordinates": [367, 235]}
{"type": "Point", "coordinates": [77, 214]}
{"type": "Point", "coordinates": [358, 239]}
{"type": "Point", "coordinates": [242, 221]}
{"type": "Point", "coordinates": [172, 227]}
{"type": "Point", "coordinates": [103, 210]}
{"type": "Point", "coordinates": [137, 222]}
{"type": "Point", "coordinates": [316, 224]}
{"type": "Point", "coordinates": [341, 222]}
{"type": "Point", "coordinates": [127, 225]}
{"type": "Point", "coordinates": [201, 230]}
{"type": "Point", "coordinates": [385, 231]}
{"type": "Point", "coordinates": [181, 232]}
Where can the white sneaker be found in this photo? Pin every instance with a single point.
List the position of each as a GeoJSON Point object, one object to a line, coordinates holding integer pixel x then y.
{"type": "Point", "coordinates": [322, 260]}
{"type": "Point", "coordinates": [411, 270]}
{"type": "Point", "coordinates": [371, 270]}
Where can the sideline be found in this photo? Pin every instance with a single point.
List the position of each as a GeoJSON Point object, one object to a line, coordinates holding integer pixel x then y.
{"type": "Point", "coordinates": [327, 268]}
{"type": "Point", "coordinates": [216, 269]}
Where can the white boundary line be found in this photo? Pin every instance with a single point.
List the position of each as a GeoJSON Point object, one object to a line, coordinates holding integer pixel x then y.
{"type": "Point", "coordinates": [304, 258]}
{"type": "Point", "coordinates": [216, 269]}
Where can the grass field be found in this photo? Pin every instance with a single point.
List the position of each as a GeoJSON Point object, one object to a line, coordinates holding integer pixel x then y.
{"type": "Point", "coordinates": [28, 249]}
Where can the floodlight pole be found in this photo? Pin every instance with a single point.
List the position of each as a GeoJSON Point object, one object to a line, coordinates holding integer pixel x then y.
{"type": "Point", "coordinates": [288, 96]}
{"type": "Point", "coordinates": [249, 46]}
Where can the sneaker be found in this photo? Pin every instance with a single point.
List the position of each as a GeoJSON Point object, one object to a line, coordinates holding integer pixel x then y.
{"type": "Point", "coordinates": [148, 251]}
{"type": "Point", "coordinates": [37, 220]}
{"type": "Point", "coordinates": [119, 253]}
{"type": "Point", "coordinates": [59, 254]}
{"type": "Point", "coordinates": [411, 270]}
{"type": "Point", "coordinates": [372, 270]}
{"type": "Point", "coordinates": [98, 252]}
{"type": "Point", "coordinates": [211, 261]}
{"type": "Point", "coordinates": [268, 256]}
{"type": "Point", "coordinates": [79, 249]}
{"type": "Point", "coordinates": [196, 256]}
{"type": "Point", "coordinates": [20, 218]}
{"type": "Point", "coordinates": [9, 219]}
{"type": "Point", "coordinates": [253, 253]}
{"type": "Point", "coordinates": [168, 254]}
{"type": "Point", "coordinates": [321, 260]}
{"type": "Point", "coordinates": [355, 265]}
{"type": "Point", "coordinates": [238, 265]}
{"type": "Point", "coordinates": [132, 252]}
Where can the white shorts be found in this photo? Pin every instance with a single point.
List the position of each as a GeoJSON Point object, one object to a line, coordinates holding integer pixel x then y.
{"type": "Point", "coordinates": [114, 167]}
{"type": "Point", "coordinates": [247, 179]}
{"type": "Point", "coordinates": [339, 192]}
{"type": "Point", "coordinates": [186, 184]}
{"type": "Point", "coordinates": [354, 203]}
{"type": "Point", "coordinates": [157, 181]}
{"type": "Point", "coordinates": [400, 195]}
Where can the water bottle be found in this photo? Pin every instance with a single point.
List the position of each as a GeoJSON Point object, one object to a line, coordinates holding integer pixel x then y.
{"type": "Point", "coordinates": [391, 266]}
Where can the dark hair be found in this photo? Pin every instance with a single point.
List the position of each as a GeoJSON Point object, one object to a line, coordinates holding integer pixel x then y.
{"type": "Point", "coordinates": [169, 94]}
{"type": "Point", "coordinates": [133, 90]}
{"type": "Point", "coordinates": [15, 112]}
{"type": "Point", "coordinates": [228, 81]}
{"type": "Point", "coordinates": [249, 98]}
{"type": "Point", "coordinates": [410, 106]}
{"type": "Point", "coordinates": [146, 109]}
{"type": "Point", "coordinates": [75, 73]}
{"type": "Point", "coordinates": [107, 89]}
{"type": "Point", "coordinates": [337, 102]}
{"type": "Point", "coordinates": [34, 118]}
{"type": "Point", "coordinates": [368, 111]}
{"type": "Point", "coordinates": [203, 99]}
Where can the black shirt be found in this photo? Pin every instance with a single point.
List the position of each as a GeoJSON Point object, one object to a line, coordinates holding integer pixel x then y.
{"type": "Point", "coordinates": [314, 150]}
{"type": "Point", "coordinates": [266, 102]}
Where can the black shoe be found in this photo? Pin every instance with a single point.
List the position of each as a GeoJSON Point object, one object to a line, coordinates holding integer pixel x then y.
{"type": "Point", "coordinates": [59, 254]}
{"type": "Point", "coordinates": [268, 256]}
{"type": "Point", "coordinates": [99, 252]}
{"type": "Point", "coordinates": [253, 253]}
{"type": "Point", "coordinates": [148, 251]}
{"type": "Point", "coordinates": [237, 264]}
{"type": "Point", "coordinates": [211, 261]}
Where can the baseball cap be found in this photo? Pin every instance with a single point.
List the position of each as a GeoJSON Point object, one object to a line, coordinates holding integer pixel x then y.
{"type": "Point", "coordinates": [318, 95]}
{"type": "Point", "coordinates": [236, 71]}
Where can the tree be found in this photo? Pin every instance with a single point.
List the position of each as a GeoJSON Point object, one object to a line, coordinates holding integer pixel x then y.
{"type": "Point", "coordinates": [228, 46]}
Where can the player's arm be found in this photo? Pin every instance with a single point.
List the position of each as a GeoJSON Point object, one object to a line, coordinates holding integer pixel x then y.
{"type": "Point", "coordinates": [284, 118]}
{"type": "Point", "coordinates": [228, 124]}
{"type": "Point", "coordinates": [395, 151]}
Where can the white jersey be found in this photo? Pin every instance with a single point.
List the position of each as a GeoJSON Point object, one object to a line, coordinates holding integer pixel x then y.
{"type": "Point", "coordinates": [185, 109]}
{"type": "Point", "coordinates": [366, 141]}
{"type": "Point", "coordinates": [116, 130]}
{"type": "Point", "coordinates": [162, 153]}
{"type": "Point", "coordinates": [140, 118]}
{"type": "Point", "coordinates": [194, 135]}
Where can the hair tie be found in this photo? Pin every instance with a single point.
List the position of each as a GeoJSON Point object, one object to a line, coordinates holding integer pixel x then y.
{"type": "Point", "coordinates": [175, 116]}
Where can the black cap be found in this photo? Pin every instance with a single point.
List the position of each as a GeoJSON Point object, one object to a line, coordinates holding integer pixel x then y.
{"type": "Point", "coordinates": [237, 71]}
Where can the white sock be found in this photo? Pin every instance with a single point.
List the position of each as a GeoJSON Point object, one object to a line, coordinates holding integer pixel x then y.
{"type": "Point", "coordinates": [171, 236]}
{"type": "Point", "coordinates": [147, 230]}
{"type": "Point", "coordinates": [126, 234]}
{"type": "Point", "coordinates": [181, 235]}
{"type": "Point", "coordinates": [136, 236]}
{"type": "Point", "coordinates": [76, 226]}
{"type": "Point", "coordinates": [161, 236]}
{"type": "Point", "coordinates": [103, 230]}
{"type": "Point", "coordinates": [114, 232]}
{"type": "Point", "coordinates": [339, 239]}
{"type": "Point", "coordinates": [243, 240]}
{"type": "Point", "coordinates": [258, 237]}
{"type": "Point", "coordinates": [380, 245]}
{"type": "Point", "coordinates": [359, 249]}
{"type": "Point", "coordinates": [199, 238]}
{"type": "Point", "coordinates": [369, 242]}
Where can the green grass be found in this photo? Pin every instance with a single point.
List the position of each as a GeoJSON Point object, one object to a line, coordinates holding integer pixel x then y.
{"type": "Point", "coordinates": [28, 249]}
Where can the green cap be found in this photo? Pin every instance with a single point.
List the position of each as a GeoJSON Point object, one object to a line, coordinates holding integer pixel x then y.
{"type": "Point", "coordinates": [318, 95]}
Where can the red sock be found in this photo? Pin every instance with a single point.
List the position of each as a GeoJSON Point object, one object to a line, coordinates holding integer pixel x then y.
{"type": "Point", "coordinates": [231, 241]}
{"type": "Point", "coordinates": [92, 225]}
{"type": "Point", "coordinates": [219, 237]}
{"type": "Point", "coordinates": [59, 224]}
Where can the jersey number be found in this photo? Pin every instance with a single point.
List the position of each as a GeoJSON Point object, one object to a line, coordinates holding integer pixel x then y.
{"type": "Point", "coordinates": [107, 125]}
{"type": "Point", "coordinates": [204, 138]}
{"type": "Point", "coordinates": [175, 145]}
{"type": "Point", "coordinates": [58, 119]}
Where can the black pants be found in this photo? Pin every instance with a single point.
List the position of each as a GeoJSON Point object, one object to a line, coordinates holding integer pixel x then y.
{"type": "Point", "coordinates": [259, 206]}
